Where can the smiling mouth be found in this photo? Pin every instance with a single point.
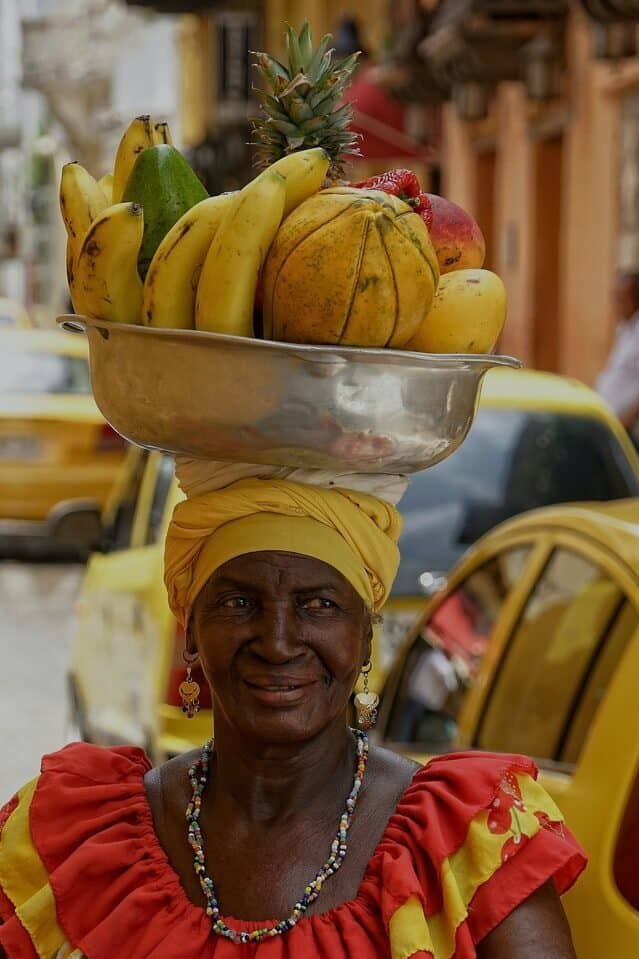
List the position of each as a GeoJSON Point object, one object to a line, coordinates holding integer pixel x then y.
{"type": "Point", "coordinates": [279, 694]}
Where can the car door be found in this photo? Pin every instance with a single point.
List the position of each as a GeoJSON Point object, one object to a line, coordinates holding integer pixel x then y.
{"type": "Point", "coordinates": [549, 663]}
{"type": "Point", "coordinates": [562, 692]}
{"type": "Point", "coordinates": [122, 619]}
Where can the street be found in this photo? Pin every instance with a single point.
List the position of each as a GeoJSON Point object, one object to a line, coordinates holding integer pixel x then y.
{"type": "Point", "coordinates": [37, 609]}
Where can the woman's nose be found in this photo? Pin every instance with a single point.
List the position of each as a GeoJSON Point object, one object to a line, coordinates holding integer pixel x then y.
{"type": "Point", "coordinates": [277, 636]}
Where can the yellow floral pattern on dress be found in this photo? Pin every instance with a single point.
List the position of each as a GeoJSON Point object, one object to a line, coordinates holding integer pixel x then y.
{"type": "Point", "coordinates": [520, 808]}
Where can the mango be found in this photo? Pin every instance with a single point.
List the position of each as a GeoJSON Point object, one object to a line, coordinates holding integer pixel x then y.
{"type": "Point", "coordinates": [458, 241]}
{"type": "Point", "coordinates": [351, 267]}
{"type": "Point", "coordinates": [467, 315]}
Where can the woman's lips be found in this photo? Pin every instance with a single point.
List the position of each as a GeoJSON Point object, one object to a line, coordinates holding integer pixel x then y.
{"type": "Point", "coordinates": [281, 692]}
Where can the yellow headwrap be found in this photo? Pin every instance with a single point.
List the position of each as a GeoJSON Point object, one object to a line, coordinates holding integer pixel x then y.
{"type": "Point", "coordinates": [354, 532]}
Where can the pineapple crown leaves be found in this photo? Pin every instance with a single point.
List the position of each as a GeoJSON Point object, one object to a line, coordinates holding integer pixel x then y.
{"type": "Point", "coordinates": [300, 102]}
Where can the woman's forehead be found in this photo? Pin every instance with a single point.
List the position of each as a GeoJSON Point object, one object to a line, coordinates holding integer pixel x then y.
{"type": "Point", "coordinates": [275, 567]}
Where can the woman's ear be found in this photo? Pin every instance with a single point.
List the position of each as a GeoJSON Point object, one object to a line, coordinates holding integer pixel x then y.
{"type": "Point", "coordinates": [368, 639]}
{"type": "Point", "coordinates": [190, 643]}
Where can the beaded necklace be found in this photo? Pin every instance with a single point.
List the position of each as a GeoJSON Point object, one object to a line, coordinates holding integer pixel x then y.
{"type": "Point", "coordinates": [198, 777]}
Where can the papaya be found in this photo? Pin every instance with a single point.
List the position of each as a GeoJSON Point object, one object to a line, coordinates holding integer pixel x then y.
{"type": "Point", "coordinates": [165, 186]}
{"type": "Point", "coordinates": [467, 315]}
{"type": "Point", "coordinates": [351, 267]}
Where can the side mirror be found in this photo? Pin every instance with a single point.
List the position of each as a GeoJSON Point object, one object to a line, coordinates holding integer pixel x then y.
{"type": "Point", "coordinates": [431, 583]}
{"type": "Point", "coordinates": [77, 524]}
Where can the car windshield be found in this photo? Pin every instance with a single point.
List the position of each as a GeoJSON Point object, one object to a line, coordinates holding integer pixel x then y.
{"type": "Point", "coordinates": [43, 373]}
{"type": "Point", "coordinates": [511, 461]}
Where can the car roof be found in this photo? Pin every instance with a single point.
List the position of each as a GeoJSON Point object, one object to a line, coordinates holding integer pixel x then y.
{"type": "Point", "coordinates": [44, 341]}
{"type": "Point", "coordinates": [613, 525]}
{"type": "Point", "coordinates": [532, 389]}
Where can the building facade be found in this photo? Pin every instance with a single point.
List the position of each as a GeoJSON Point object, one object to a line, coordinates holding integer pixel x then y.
{"type": "Point", "coordinates": [555, 186]}
{"type": "Point", "coordinates": [531, 110]}
{"type": "Point", "coordinates": [73, 73]}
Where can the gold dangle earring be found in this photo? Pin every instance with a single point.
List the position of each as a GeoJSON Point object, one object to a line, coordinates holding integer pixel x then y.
{"type": "Point", "coordinates": [190, 688]}
{"type": "Point", "coordinates": [366, 703]}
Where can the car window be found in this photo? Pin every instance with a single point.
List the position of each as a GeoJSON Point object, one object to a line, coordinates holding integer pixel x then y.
{"type": "Point", "coordinates": [600, 672]}
{"type": "Point", "coordinates": [163, 481]}
{"type": "Point", "coordinates": [511, 461]}
{"type": "Point", "coordinates": [443, 662]}
{"type": "Point", "coordinates": [118, 534]}
{"type": "Point", "coordinates": [43, 373]}
{"type": "Point", "coordinates": [559, 647]}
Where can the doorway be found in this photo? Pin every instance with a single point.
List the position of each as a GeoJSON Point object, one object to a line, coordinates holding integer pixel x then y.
{"type": "Point", "coordinates": [548, 158]}
{"type": "Point", "coordinates": [485, 202]}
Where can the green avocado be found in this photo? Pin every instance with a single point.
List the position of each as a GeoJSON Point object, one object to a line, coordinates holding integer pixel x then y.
{"type": "Point", "coordinates": [165, 186]}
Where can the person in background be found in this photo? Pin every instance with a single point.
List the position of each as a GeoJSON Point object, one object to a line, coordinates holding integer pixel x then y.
{"type": "Point", "coordinates": [618, 382]}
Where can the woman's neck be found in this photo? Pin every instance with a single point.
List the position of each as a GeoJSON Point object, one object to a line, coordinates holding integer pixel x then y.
{"type": "Point", "coordinates": [268, 781]}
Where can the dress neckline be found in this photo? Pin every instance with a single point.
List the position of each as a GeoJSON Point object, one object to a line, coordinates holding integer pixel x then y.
{"type": "Point", "coordinates": [359, 901]}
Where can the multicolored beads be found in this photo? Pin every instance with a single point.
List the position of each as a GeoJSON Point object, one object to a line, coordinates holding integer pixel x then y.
{"type": "Point", "coordinates": [198, 777]}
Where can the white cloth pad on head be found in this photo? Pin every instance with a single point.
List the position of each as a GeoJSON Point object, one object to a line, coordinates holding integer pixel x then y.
{"type": "Point", "coordinates": [197, 477]}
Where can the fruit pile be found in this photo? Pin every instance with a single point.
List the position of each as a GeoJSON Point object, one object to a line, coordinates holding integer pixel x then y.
{"type": "Point", "coordinates": [299, 254]}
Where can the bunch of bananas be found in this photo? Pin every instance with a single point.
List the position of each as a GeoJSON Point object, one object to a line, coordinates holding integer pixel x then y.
{"type": "Point", "coordinates": [205, 271]}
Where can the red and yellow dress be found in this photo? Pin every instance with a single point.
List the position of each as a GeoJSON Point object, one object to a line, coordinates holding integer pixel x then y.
{"type": "Point", "coordinates": [82, 873]}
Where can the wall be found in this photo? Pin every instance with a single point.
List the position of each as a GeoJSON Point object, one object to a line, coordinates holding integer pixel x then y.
{"type": "Point", "coordinates": [197, 68]}
{"type": "Point", "coordinates": [555, 212]}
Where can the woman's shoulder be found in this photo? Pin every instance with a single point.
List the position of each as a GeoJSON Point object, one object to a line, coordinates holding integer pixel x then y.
{"type": "Point", "coordinates": [468, 779]}
{"type": "Point", "coordinates": [473, 835]}
{"type": "Point", "coordinates": [85, 815]}
{"type": "Point", "coordinates": [79, 770]}
{"type": "Point", "coordinates": [89, 761]}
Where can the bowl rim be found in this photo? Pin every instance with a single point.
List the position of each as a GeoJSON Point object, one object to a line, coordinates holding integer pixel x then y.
{"type": "Point", "coordinates": [76, 323]}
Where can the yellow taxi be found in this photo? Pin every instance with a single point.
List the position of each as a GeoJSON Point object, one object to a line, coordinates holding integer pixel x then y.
{"type": "Point", "coordinates": [55, 447]}
{"type": "Point", "coordinates": [126, 660]}
{"type": "Point", "coordinates": [537, 440]}
{"type": "Point", "coordinates": [14, 316]}
{"type": "Point", "coordinates": [533, 647]}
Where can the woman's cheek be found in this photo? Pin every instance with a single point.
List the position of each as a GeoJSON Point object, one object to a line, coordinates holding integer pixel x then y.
{"type": "Point", "coordinates": [340, 659]}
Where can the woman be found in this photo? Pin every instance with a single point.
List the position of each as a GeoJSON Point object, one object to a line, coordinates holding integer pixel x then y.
{"type": "Point", "coordinates": [316, 845]}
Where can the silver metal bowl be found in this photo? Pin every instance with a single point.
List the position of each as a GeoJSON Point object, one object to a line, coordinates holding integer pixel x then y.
{"type": "Point", "coordinates": [254, 401]}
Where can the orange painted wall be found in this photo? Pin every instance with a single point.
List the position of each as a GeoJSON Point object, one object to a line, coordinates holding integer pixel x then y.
{"type": "Point", "coordinates": [588, 198]}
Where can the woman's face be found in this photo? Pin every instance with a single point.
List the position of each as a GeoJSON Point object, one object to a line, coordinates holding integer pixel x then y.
{"type": "Point", "coordinates": [281, 639]}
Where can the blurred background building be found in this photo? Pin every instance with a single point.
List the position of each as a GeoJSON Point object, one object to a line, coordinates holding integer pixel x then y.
{"type": "Point", "coordinates": [72, 74]}
{"type": "Point", "coordinates": [527, 113]}
{"type": "Point", "coordinates": [524, 111]}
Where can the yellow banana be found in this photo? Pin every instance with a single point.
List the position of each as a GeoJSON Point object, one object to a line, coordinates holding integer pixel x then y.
{"type": "Point", "coordinates": [138, 136]}
{"type": "Point", "coordinates": [172, 279]}
{"type": "Point", "coordinates": [226, 291]}
{"type": "Point", "coordinates": [81, 201]}
{"type": "Point", "coordinates": [70, 264]}
{"type": "Point", "coordinates": [162, 133]}
{"type": "Point", "coordinates": [304, 172]}
{"type": "Point", "coordinates": [106, 284]}
{"type": "Point", "coordinates": [106, 185]}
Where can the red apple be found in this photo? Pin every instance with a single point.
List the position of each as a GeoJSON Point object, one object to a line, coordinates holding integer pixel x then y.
{"type": "Point", "coordinates": [458, 241]}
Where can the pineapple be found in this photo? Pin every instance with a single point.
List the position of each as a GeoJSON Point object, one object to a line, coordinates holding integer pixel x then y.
{"type": "Point", "coordinates": [301, 103]}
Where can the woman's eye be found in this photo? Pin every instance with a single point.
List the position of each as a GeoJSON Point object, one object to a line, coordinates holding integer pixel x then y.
{"type": "Point", "coordinates": [236, 602]}
{"type": "Point", "coordinates": [319, 602]}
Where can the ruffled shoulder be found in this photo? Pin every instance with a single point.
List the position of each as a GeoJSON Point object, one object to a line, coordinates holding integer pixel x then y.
{"type": "Point", "coordinates": [473, 836]}
{"type": "Point", "coordinates": [39, 826]}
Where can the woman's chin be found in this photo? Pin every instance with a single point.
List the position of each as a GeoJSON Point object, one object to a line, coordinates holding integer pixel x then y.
{"type": "Point", "coordinates": [293, 723]}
